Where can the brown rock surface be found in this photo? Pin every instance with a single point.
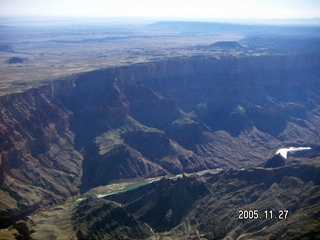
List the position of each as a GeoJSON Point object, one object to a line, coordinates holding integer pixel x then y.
{"type": "Point", "coordinates": [152, 119]}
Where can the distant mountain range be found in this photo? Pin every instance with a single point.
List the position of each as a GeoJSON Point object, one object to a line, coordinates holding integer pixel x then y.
{"type": "Point", "coordinates": [269, 27]}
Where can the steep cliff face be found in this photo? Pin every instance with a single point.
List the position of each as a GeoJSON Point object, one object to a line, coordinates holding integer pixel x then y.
{"type": "Point", "coordinates": [153, 119]}
{"type": "Point", "coordinates": [234, 94]}
{"type": "Point", "coordinates": [39, 165]}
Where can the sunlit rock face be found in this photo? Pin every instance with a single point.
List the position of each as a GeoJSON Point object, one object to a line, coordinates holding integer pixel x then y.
{"type": "Point", "coordinates": [152, 119]}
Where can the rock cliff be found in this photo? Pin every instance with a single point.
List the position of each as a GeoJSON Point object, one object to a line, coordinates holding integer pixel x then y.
{"type": "Point", "coordinates": [39, 164]}
{"type": "Point", "coordinates": [152, 119]}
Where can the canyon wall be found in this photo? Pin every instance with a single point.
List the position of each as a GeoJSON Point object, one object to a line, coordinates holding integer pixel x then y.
{"type": "Point", "coordinates": [152, 119]}
{"type": "Point", "coordinates": [39, 164]}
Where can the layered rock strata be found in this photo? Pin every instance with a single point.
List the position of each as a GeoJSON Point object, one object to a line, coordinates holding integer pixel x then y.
{"type": "Point", "coordinates": [152, 119]}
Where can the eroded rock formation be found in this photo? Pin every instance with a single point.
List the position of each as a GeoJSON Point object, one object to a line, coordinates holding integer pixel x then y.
{"type": "Point", "coordinates": [152, 119]}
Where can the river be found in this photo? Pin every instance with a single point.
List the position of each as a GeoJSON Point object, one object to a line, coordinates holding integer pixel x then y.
{"type": "Point", "coordinates": [128, 186]}
{"type": "Point", "coordinates": [143, 183]}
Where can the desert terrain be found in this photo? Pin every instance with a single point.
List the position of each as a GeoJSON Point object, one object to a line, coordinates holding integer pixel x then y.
{"type": "Point", "coordinates": [159, 130]}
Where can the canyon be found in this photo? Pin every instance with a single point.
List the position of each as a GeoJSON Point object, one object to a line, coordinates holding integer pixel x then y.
{"type": "Point", "coordinates": [61, 139]}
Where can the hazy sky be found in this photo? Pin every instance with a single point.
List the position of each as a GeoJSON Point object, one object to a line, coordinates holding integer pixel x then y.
{"type": "Point", "coordinates": [188, 9]}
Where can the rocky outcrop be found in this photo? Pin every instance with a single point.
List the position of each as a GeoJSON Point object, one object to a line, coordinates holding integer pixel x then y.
{"type": "Point", "coordinates": [276, 161]}
{"type": "Point", "coordinates": [164, 203]}
{"type": "Point", "coordinates": [275, 190]}
{"type": "Point", "coordinates": [102, 219]}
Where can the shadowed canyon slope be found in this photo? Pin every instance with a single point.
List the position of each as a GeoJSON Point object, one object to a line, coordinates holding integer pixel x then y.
{"type": "Point", "coordinates": [152, 119]}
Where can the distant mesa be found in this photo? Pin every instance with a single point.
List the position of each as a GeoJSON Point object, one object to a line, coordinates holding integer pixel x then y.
{"type": "Point", "coordinates": [226, 44]}
{"type": "Point", "coordinates": [14, 60]}
{"type": "Point", "coordinates": [190, 26]}
{"type": "Point", "coordinates": [276, 161]}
